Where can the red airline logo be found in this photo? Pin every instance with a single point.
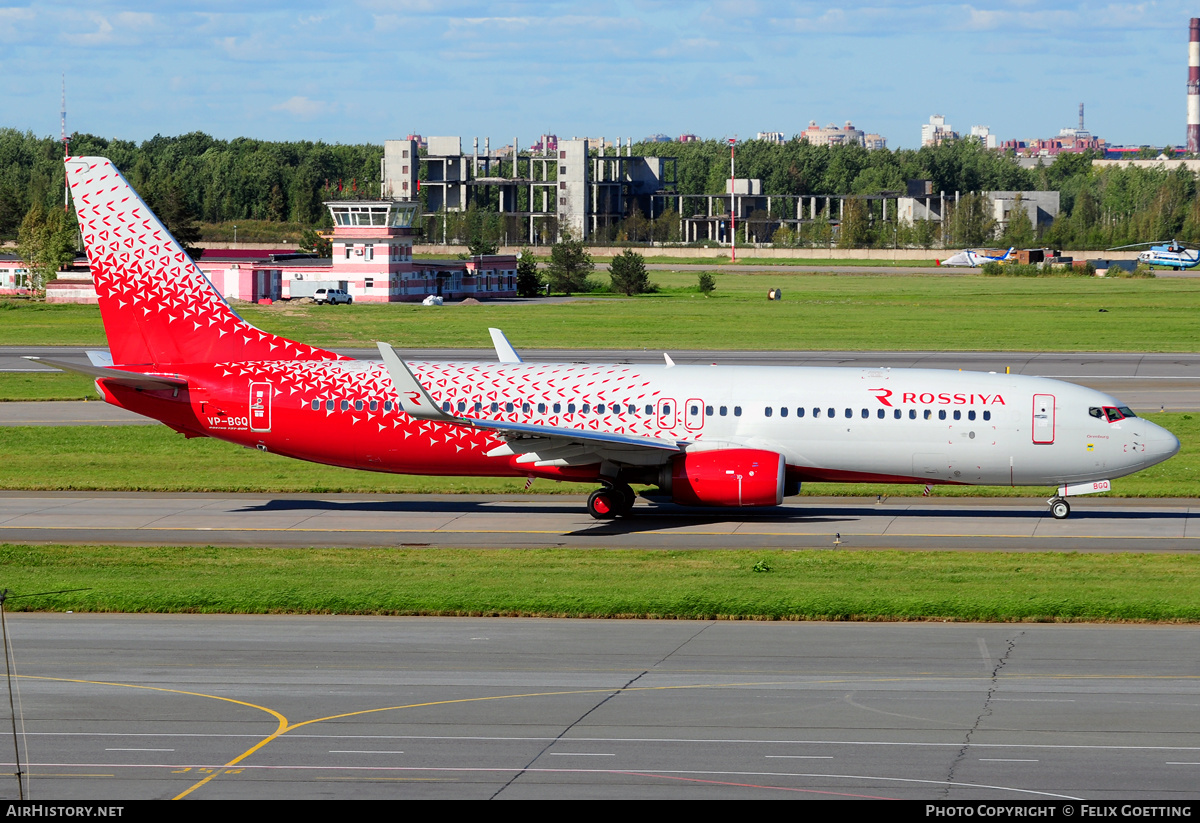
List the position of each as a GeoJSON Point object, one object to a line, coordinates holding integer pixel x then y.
{"type": "Point", "coordinates": [942, 399]}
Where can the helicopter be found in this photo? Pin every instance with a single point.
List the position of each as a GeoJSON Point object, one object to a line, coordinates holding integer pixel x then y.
{"type": "Point", "coordinates": [1170, 254]}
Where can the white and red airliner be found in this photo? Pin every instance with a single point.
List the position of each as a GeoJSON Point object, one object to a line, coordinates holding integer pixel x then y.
{"type": "Point", "coordinates": [706, 435]}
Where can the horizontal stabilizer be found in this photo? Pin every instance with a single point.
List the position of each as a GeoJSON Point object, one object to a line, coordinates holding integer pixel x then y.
{"type": "Point", "coordinates": [133, 379]}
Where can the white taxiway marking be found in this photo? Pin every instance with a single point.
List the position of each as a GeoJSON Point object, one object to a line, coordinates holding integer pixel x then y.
{"type": "Point", "coordinates": [582, 754]}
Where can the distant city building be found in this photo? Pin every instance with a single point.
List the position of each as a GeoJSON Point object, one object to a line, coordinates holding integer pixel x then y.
{"type": "Point", "coordinates": [937, 131]}
{"type": "Point", "coordinates": [658, 138]}
{"type": "Point", "coordinates": [770, 137]}
{"type": "Point", "coordinates": [831, 135]}
{"type": "Point", "coordinates": [874, 141]}
{"type": "Point", "coordinates": [547, 145]}
{"type": "Point", "coordinates": [1068, 140]}
{"type": "Point", "coordinates": [688, 138]}
{"type": "Point", "coordinates": [419, 140]}
{"type": "Point", "coordinates": [984, 135]}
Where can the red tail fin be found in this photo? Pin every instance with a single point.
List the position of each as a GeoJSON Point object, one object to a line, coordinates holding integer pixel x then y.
{"type": "Point", "coordinates": [158, 307]}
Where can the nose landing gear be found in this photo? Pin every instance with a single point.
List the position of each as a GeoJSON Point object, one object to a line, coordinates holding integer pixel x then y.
{"type": "Point", "coordinates": [1060, 508]}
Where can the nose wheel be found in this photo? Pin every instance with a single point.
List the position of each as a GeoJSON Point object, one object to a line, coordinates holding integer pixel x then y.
{"type": "Point", "coordinates": [1060, 508]}
{"type": "Point", "coordinates": [611, 501]}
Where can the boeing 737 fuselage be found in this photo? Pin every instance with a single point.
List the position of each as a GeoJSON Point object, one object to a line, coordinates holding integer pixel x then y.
{"type": "Point", "coordinates": [706, 435]}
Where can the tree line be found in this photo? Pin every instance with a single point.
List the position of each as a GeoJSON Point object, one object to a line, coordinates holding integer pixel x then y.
{"type": "Point", "coordinates": [195, 178]}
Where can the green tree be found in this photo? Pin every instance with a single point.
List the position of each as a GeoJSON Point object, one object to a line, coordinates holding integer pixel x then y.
{"type": "Point", "coordinates": [46, 242]}
{"type": "Point", "coordinates": [170, 204]}
{"type": "Point", "coordinates": [314, 243]}
{"type": "Point", "coordinates": [666, 227]}
{"type": "Point", "coordinates": [783, 237]}
{"type": "Point", "coordinates": [628, 270]}
{"type": "Point", "coordinates": [855, 232]}
{"type": "Point", "coordinates": [971, 221]}
{"type": "Point", "coordinates": [706, 283]}
{"type": "Point", "coordinates": [924, 233]}
{"type": "Point", "coordinates": [483, 231]}
{"type": "Point", "coordinates": [570, 265]}
{"type": "Point", "coordinates": [529, 282]}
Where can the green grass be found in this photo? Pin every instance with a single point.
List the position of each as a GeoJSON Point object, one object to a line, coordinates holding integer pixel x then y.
{"type": "Point", "coordinates": [899, 312]}
{"type": "Point", "coordinates": [147, 458]}
{"type": "Point", "coordinates": [51, 386]}
{"type": "Point", "coordinates": [804, 585]}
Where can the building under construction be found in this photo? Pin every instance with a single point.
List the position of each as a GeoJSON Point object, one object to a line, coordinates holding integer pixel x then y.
{"type": "Point", "coordinates": [540, 196]}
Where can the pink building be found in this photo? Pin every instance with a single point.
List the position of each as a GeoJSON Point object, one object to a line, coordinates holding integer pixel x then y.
{"type": "Point", "coordinates": [372, 261]}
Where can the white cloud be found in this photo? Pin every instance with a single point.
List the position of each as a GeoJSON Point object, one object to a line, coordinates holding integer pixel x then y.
{"type": "Point", "coordinates": [302, 107]}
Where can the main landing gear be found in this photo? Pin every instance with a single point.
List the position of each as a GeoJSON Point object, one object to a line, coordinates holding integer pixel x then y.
{"type": "Point", "coordinates": [611, 501]}
{"type": "Point", "coordinates": [1060, 508]}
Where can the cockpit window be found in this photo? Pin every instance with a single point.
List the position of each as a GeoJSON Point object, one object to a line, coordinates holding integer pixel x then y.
{"type": "Point", "coordinates": [1096, 412]}
{"type": "Point", "coordinates": [1125, 410]}
{"type": "Point", "coordinates": [1113, 414]}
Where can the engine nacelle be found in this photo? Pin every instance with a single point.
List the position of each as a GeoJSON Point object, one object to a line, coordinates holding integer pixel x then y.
{"type": "Point", "coordinates": [726, 477]}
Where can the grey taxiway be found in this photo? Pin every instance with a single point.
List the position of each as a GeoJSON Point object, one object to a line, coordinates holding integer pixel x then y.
{"type": "Point", "coordinates": [138, 706]}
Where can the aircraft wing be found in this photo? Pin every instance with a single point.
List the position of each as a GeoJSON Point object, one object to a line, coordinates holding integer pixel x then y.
{"type": "Point", "coordinates": [535, 443]}
{"type": "Point", "coordinates": [133, 379]}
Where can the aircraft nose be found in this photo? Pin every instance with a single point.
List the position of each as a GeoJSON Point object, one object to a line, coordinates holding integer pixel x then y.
{"type": "Point", "coordinates": [1160, 445]}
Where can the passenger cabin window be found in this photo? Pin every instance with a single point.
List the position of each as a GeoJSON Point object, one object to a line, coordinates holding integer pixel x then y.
{"type": "Point", "coordinates": [767, 411]}
{"type": "Point", "coordinates": [941, 414]}
{"type": "Point", "coordinates": [799, 411]}
{"type": "Point", "coordinates": [783, 411]}
{"type": "Point", "coordinates": [316, 404]}
{"type": "Point", "coordinates": [737, 411]}
{"type": "Point", "coordinates": [987, 415]}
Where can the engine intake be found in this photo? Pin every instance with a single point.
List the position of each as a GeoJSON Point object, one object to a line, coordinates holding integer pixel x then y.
{"type": "Point", "coordinates": [726, 477]}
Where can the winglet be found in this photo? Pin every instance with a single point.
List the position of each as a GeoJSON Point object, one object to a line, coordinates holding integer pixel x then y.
{"type": "Point", "coordinates": [670, 362]}
{"type": "Point", "coordinates": [413, 397]}
{"type": "Point", "coordinates": [504, 350]}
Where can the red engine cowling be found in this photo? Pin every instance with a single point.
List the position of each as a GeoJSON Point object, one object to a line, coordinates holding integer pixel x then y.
{"type": "Point", "coordinates": [727, 477]}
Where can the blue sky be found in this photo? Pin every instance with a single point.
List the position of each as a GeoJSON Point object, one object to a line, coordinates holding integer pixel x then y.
{"type": "Point", "coordinates": [366, 71]}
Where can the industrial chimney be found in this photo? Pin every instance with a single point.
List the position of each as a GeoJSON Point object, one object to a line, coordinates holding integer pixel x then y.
{"type": "Point", "coordinates": [1193, 105]}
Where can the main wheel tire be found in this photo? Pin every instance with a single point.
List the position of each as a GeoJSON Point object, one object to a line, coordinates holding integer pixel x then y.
{"type": "Point", "coordinates": [1061, 509]}
{"type": "Point", "coordinates": [604, 504]}
{"type": "Point", "coordinates": [628, 498]}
